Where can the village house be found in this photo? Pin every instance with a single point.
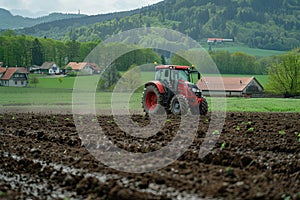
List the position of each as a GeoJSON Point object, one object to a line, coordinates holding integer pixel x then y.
{"type": "Point", "coordinates": [49, 68]}
{"type": "Point", "coordinates": [231, 86]}
{"type": "Point", "coordinates": [13, 76]}
{"type": "Point", "coordinates": [84, 67]}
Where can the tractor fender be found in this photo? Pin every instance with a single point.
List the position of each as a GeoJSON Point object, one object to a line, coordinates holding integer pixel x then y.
{"type": "Point", "coordinates": [158, 84]}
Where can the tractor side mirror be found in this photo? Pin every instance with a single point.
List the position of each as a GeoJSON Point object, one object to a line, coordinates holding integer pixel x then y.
{"type": "Point", "coordinates": [199, 76]}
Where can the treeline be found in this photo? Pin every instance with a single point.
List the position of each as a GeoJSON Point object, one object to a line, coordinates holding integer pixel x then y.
{"type": "Point", "coordinates": [21, 50]}
{"type": "Point", "coordinates": [25, 51]}
{"type": "Point", "coordinates": [240, 63]}
{"type": "Point", "coordinates": [227, 63]}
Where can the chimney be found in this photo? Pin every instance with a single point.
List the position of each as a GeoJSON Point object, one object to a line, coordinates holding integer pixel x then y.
{"type": "Point", "coordinates": [241, 82]}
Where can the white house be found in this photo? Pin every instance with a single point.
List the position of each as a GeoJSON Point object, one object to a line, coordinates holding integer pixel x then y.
{"type": "Point", "coordinates": [50, 68]}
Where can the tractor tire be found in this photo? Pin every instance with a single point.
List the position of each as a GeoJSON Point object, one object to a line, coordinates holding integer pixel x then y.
{"type": "Point", "coordinates": [179, 105]}
{"type": "Point", "coordinates": [152, 100]}
{"type": "Point", "coordinates": [203, 108]}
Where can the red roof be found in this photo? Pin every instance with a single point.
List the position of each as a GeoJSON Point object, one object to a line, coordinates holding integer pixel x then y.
{"type": "Point", "coordinates": [10, 71]}
{"type": "Point", "coordinates": [225, 83]}
{"type": "Point", "coordinates": [77, 65]}
{"type": "Point", "coordinates": [2, 70]}
{"type": "Point", "coordinates": [214, 39]}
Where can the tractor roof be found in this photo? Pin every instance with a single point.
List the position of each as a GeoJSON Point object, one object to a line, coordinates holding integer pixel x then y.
{"type": "Point", "coordinates": [172, 67]}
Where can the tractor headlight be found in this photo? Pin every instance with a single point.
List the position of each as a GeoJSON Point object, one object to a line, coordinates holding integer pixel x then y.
{"type": "Point", "coordinates": [195, 90]}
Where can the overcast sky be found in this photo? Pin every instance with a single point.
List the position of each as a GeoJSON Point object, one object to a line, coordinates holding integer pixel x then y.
{"type": "Point", "coordinates": [35, 8]}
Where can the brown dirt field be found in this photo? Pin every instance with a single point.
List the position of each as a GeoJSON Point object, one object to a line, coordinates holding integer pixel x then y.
{"type": "Point", "coordinates": [257, 156]}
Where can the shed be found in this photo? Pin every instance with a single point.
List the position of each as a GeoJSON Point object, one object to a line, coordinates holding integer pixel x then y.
{"type": "Point", "coordinates": [232, 86]}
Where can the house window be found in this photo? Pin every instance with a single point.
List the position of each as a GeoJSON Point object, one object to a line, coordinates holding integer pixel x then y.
{"type": "Point", "coordinates": [22, 83]}
{"type": "Point", "coordinates": [16, 83]}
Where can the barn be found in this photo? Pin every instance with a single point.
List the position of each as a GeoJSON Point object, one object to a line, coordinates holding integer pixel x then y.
{"type": "Point", "coordinates": [231, 86]}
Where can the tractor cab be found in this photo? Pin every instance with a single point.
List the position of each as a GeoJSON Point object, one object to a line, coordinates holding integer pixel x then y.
{"type": "Point", "coordinates": [170, 75]}
{"type": "Point", "coordinates": [179, 79]}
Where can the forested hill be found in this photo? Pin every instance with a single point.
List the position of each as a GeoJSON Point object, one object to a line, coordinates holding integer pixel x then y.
{"type": "Point", "coordinates": [267, 24]}
{"type": "Point", "coordinates": [9, 21]}
{"type": "Point", "coordinates": [60, 29]}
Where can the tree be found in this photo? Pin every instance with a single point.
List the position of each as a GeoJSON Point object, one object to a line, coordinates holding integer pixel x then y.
{"type": "Point", "coordinates": [242, 63]}
{"type": "Point", "coordinates": [37, 54]}
{"type": "Point", "coordinates": [284, 75]}
{"type": "Point", "coordinates": [109, 78]}
{"type": "Point", "coordinates": [179, 60]}
{"type": "Point", "coordinates": [34, 81]}
{"type": "Point", "coordinates": [73, 50]}
{"type": "Point", "coordinates": [130, 80]}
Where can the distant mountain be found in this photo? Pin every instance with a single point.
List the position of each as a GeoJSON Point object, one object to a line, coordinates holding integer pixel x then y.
{"type": "Point", "coordinates": [9, 21]}
{"type": "Point", "coordinates": [266, 24]}
{"type": "Point", "coordinates": [28, 13]}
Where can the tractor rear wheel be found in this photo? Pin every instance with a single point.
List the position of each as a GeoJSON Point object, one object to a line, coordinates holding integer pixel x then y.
{"type": "Point", "coordinates": [152, 100]}
{"type": "Point", "coordinates": [179, 105]}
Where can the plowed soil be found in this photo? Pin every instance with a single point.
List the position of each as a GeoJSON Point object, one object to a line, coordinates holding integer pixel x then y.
{"type": "Point", "coordinates": [257, 156]}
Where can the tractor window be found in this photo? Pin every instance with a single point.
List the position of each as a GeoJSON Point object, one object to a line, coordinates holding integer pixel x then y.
{"type": "Point", "coordinates": [162, 74]}
{"type": "Point", "coordinates": [158, 74]}
{"type": "Point", "coordinates": [180, 75]}
{"type": "Point", "coordinates": [194, 76]}
{"type": "Point", "coordinates": [166, 73]}
{"type": "Point", "coordinates": [183, 75]}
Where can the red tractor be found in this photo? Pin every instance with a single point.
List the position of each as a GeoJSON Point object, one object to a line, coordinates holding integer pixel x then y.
{"type": "Point", "coordinates": [174, 90]}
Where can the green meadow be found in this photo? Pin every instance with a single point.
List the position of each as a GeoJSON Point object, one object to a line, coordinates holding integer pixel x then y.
{"type": "Point", "coordinates": [50, 93]}
{"type": "Point", "coordinates": [232, 48]}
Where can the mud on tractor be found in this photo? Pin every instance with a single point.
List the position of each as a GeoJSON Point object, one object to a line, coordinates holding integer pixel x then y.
{"type": "Point", "coordinates": [175, 91]}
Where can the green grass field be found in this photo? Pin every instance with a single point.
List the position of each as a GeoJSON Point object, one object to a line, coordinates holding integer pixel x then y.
{"type": "Point", "coordinates": [242, 48]}
{"type": "Point", "coordinates": [51, 93]}
{"type": "Point", "coordinates": [48, 98]}
{"type": "Point", "coordinates": [68, 82]}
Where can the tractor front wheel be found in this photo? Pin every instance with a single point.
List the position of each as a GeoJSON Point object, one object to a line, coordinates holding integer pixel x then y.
{"type": "Point", "coordinates": [152, 100]}
{"type": "Point", "coordinates": [202, 109]}
{"type": "Point", "coordinates": [179, 105]}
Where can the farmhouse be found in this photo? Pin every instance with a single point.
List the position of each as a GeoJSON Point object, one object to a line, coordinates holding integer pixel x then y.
{"type": "Point", "coordinates": [87, 68]}
{"type": "Point", "coordinates": [13, 76]}
{"type": "Point", "coordinates": [49, 68]}
{"type": "Point", "coordinates": [231, 86]}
